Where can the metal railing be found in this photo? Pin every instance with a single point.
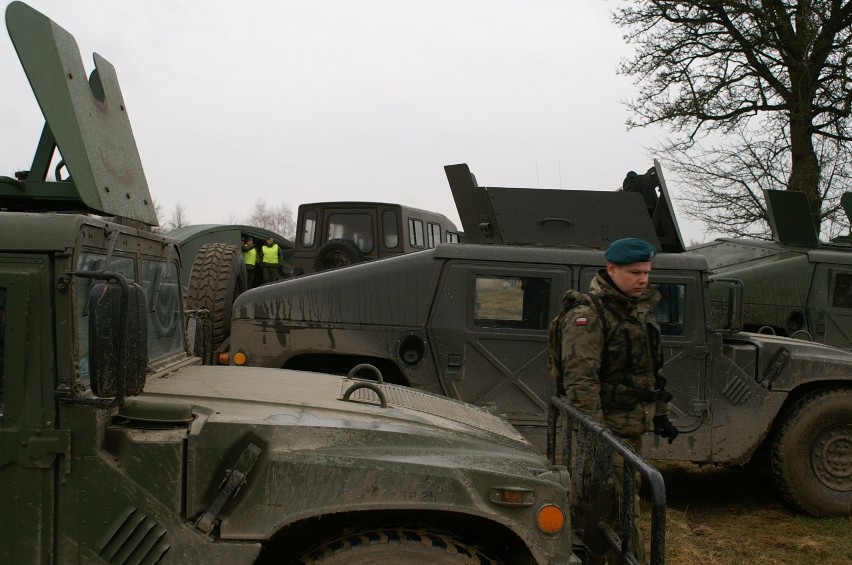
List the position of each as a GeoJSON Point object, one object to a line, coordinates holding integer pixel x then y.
{"type": "Point", "coordinates": [587, 449]}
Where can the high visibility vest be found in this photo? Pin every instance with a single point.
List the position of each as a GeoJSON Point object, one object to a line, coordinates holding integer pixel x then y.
{"type": "Point", "coordinates": [250, 257]}
{"type": "Point", "coordinates": [270, 254]}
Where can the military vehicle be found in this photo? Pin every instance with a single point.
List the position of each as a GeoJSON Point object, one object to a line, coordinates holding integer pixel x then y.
{"type": "Point", "coordinates": [191, 239]}
{"type": "Point", "coordinates": [471, 321]}
{"type": "Point", "coordinates": [117, 446]}
{"type": "Point", "coordinates": [795, 285]}
{"type": "Point", "coordinates": [338, 234]}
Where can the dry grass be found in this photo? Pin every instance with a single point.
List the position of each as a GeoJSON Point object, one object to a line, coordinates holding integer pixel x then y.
{"type": "Point", "coordinates": [732, 516]}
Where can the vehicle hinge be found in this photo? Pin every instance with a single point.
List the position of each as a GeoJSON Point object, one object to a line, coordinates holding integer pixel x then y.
{"type": "Point", "coordinates": [235, 477]}
{"type": "Point", "coordinates": [699, 351]}
{"type": "Point", "coordinates": [38, 448]}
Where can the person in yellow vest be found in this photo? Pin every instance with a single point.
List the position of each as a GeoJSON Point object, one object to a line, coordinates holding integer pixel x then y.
{"type": "Point", "coordinates": [250, 259]}
{"type": "Point", "coordinates": [270, 256]}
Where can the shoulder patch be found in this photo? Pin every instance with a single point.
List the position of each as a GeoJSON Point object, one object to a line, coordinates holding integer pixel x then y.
{"type": "Point", "coordinates": [581, 321]}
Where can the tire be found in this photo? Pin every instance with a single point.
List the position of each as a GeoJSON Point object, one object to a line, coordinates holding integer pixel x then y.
{"type": "Point", "coordinates": [812, 453]}
{"type": "Point", "coordinates": [400, 546]}
{"type": "Point", "coordinates": [336, 253]}
{"type": "Point", "coordinates": [218, 276]}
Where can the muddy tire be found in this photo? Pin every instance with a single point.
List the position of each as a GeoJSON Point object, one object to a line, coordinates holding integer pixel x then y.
{"type": "Point", "coordinates": [812, 453]}
{"type": "Point", "coordinates": [337, 253]}
{"type": "Point", "coordinates": [397, 546]}
{"type": "Point", "coordinates": [218, 276]}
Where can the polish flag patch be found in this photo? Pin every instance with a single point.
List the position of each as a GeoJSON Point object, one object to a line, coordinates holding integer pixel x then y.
{"type": "Point", "coordinates": [581, 321]}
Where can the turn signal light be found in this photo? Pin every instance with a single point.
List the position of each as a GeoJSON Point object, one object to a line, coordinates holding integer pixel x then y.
{"type": "Point", "coordinates": [223, 358]}
{"type": "Point", "coordinates": [512, 496]}
{"type": "Point", "coordinates": [240, 358]}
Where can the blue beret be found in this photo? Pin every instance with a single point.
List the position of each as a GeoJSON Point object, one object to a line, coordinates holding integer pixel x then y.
{"type": "Point", "coordinates": [629, 250]}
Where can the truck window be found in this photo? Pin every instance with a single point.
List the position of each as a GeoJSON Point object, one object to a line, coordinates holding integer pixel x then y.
{"type": "Point", "coordinates": [452, 237]}
{"type": "Point", "coordinates": [434, 234]}
{"type": "Point", "coordinates": [511, 302]}
{"type": "Point", "coordinates": [309, 229]}
{"type": "Point", "coordinates": [357, 228]}
{"type": "Point", "coordinates": [94, 261]}
{"type": "Point", "coordinates": [669, 310]}
{"type": "Point", "coordinates": [390, 228]}
{"type": "Point", "coordinates": [415, 232]}
{"type": "Point", "coordinates": [2, 344]}
{"type": "Point", "coordinates": [161, 283]}
{"type": "Point", "coordinates": [841, 296]}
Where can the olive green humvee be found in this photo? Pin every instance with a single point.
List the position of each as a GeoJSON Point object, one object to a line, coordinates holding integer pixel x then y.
{"type": "Point", "coordinates": [795, 285]}
{"type": "Point", "coordinates": [117, 446]}
{"type": "Point", "coordinates": [471, 321]}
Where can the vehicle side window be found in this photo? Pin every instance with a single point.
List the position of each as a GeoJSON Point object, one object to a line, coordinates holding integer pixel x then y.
{"type": "Point", "coordinates": [452, 237]}
{"type": "Point", "coordinates": [434, 234]}
{"type": "Point", "coordinates": [512, 302]}
{"type": "Point", "coordinates": [2, 345]}
{"type": "Point", "coordinates": [415, 232]}
{"type": "Point", "coordinates": [357, 228]}
{"type": "Point", "coordinates": [390, 228]}
{"type": "Point", "coordinates": [309, 228]}
{"type": "Point", "coordinates": [841, 296]}
{"type": "Point", "coordinates": [161, 283]}
{"type": "Point", "coordinates": [669, 310]}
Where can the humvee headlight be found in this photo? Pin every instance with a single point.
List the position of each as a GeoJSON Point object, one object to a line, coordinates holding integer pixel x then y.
{"type": "Point", "coordinates": [240, 358]}
{"type": "Point", "coordinates": [512, 496]}
{"type": "Point", "coordinates": [550, 519]}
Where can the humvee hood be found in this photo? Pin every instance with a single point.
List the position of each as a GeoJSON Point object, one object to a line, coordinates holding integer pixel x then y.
{"type": "Point", "coordinates": [280, 397]}
{"type": "Point", "coordinates": [808, 361]}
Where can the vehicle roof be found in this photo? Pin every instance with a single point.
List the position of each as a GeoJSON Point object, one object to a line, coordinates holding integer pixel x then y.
{"type": "Point", "coordinates": [188, 233]}
{"type": "Point", "coordinates": [364, 204]}
{"type": "Point", "coordinates": [560, 255]}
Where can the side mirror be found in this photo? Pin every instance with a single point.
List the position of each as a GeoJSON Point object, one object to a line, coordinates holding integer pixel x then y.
{"type": "Point", "coordinates": [735, 305]}
{"type": "Point", "coordinates": [118, 339]}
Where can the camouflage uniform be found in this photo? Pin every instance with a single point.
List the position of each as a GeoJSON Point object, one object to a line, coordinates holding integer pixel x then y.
{"type": "Point", "coordinates": [607, 369]}
{"type": "Point", "coordinates": [610, 378]}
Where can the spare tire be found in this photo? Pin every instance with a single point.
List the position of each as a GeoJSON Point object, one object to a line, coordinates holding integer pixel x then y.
{"type": "Point", "coordinates": [337, 253]}
{"type": "Point", "coordinates": [218, 276]}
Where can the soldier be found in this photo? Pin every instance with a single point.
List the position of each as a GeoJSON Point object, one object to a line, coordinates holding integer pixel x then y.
{"type": "Point", "coordinates": [606, 356]}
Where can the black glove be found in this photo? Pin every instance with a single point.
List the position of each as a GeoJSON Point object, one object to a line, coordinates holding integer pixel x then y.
{"type": "Point", "coordinates": [663, 427]}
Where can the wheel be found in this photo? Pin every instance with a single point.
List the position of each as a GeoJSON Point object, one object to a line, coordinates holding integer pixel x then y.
{"type": "Point", "coordinates": [812, 453]}
{"type": "Point", "coordinates": [217, 277]}
{"type": "Point", "coordinates": [337, 253]}
{"type": "Point", "coordinates": [398, 546]}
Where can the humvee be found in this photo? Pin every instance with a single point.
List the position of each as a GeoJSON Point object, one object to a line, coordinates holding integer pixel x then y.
{"type": "Point", "coordinates": [471, 321]}
{"type": "Point", "coordinates": [117, 446]}
{"type": "Point", "coordinates": [795, 285]}
{"type": "Point", "coordinates": [337, 234]}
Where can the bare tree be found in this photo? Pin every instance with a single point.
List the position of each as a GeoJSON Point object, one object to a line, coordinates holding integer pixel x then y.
{"type": "Point", "coordinates": [706, 66]}
{"type": "Point", "coordinates": [724, 182]}
{"type": "Point", "coordinates": [177, 220]}
{"type": "Point", "coordinates": [279, 219]}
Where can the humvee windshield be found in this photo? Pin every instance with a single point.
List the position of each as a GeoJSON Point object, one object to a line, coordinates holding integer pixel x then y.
{"type": "Point", "coordinates": [161, 284]}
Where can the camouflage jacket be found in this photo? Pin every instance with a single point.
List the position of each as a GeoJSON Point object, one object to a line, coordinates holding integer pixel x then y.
{"type": "Point", "coordinates": [607, 366]}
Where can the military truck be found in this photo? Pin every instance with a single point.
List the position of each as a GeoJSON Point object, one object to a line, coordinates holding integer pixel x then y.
{"type": "Point", "coordinates": [117, 446]}
{"type": "Point", "coordinates": [191, 240]}
{"type": "Point", "coordinates": [471, 321]}
{"type": "Point", "coordinates": [795, 285]}
{"type": "Point", "coordinates": [339, 234]}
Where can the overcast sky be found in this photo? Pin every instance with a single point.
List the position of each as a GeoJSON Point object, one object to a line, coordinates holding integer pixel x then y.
{"type": "Point", "coordinates": [307, 100]}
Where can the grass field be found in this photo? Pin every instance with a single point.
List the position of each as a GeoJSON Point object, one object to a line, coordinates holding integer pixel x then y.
{"type": "Point", "coordinates": [732, 516]}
